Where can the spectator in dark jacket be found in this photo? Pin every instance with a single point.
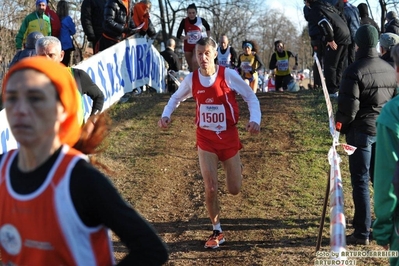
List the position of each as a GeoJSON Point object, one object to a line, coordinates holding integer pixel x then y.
{"type": "Point", "coordinates": [316, 41]}
{"type": "Point", "coordinates": [118, 23]}
{"type": "Point", "coordinates": [353, 21]}
{"type": "Point", "coordinates": [387, 42]}
{"type": "Point", "coordinates": [364, 17]}
{"type": "Point", "coordinates": [29, 47]}
{"type": "Point", "coordinates": [92, 18]}
{"type": "Point", "coordinates": [367, 85]}
{"type": "Point", "coordinates": [392, 22]}
{"type": "Point", "coordinates": [336, 36]}
{"type": "Point", "coordinates": [173, 62]}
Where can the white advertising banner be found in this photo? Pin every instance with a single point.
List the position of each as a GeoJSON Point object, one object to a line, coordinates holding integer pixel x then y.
{"type": "Point", "coordinates": [117, 70]}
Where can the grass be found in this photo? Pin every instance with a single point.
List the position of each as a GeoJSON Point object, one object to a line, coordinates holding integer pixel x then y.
{"type": "Point", "coordinates": [273, 221]}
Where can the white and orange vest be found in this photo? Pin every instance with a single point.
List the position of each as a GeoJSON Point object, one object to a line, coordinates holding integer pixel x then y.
{"type": "Point", "coordinates": [43, 228]}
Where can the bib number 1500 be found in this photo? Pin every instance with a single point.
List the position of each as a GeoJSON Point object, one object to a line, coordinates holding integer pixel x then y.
{"type": "Point", "coordinates": [213, 117]}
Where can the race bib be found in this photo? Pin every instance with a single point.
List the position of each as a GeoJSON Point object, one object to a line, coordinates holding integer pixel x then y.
{"type": "Point", "coordinates": [246, 66]}
{"type": "Point", "coordinates": [193, 36]}
{"type": "Point", "coordinates": [212, 117]}
{"type": "Point", "coordinates": [282, 65]}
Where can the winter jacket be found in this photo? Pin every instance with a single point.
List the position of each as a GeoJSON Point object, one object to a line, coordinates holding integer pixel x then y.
{"type": "Point", "coordinates": [92, 18]}
{"type": "Point", "coordinates": [352, 19]}
{"type": "Point", "coordinates": [29, 47]}
{"type": "Point", "coordinates": [32, 22]}
{"type": "Point", "coordinates": [172, 58]}
{"type": "Point", "coordinates": [67, 30]}
{"type": "Point", "coordinates": [313, 29]}
{"type": "Point", "coordinates": [366, 86]}
{"type": "Point", "coordinates": [117, 19]}
{"type": "Point", "coordinates": [388, 58]}
{"type": "Point", "coordinates": [392, 26]}
{"type": "Point", "coordinates": [54, 22]}
{"type": "Point", "coordinates": [364, 17]}
{"type": "Point", "coordinates": [331, 23]}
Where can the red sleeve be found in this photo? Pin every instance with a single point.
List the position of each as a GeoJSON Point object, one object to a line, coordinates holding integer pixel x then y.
{"type": "Point", "coordinates": [55, 22]}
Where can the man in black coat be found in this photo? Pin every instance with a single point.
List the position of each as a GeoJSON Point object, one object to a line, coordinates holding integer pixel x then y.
{"type": "Point", "coordinates": [173, 61]}
{"type": "Point", "coordinates": [392, 23]}
{"type": "Point", "coordinates": [336, 38]}
{"type": "Point", "coordinates": [367, 85]}
{"type": "Point", "coordinates": [92, 18]}
{"type": "Point", "coordinates": [364, 17]}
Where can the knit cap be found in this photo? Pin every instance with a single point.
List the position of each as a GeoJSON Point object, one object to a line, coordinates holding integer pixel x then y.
{"type": "Point", "coordinates": [366, 36]}
{"type": "Point", "coordinates": [387, 40]}
{"type": "Point", "coordinates": [65, 85]}
{"type": "Point", "coordinates": [391, 15]}
{"type": "Point", "coordinates": [41, 1]}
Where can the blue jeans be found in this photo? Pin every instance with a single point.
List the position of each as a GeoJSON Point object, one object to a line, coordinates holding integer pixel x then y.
{"type": "Point", "coordinates": [361, 167]}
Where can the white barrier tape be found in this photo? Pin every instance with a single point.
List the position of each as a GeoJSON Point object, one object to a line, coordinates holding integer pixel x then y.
{"type": "Point", "coordinates": [337, 217]}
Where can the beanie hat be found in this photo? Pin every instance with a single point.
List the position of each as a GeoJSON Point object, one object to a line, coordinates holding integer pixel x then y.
{"type": "Point", "coordinates": [391, 15]}
{"type": "Point", "coordinates": [32, 38]}
{"type": "Point", "coordinates": [363, 10]}
{"type": "Point", "coordinates": [366, 36]}
{"type": "Point", "coordinates": [41, 1]}
{"type": "Point", "coordinates": [65, 84]}
{"type": "Point", "coordinates": [387, 40]}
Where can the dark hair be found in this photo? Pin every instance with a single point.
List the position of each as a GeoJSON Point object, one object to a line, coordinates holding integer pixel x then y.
{"type": "Point", "coordinates": [62, 9]}
{"type": "Point", "coordinates": [192, 6]}
{"type": "Point", "coordinates": [253, 43]}
{"type": "Point", "coordinates": [276, 43]}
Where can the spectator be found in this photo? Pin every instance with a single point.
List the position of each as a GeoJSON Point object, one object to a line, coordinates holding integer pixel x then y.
{"type": "Point", "coordinates": [386, 174]}
{"type": "Point", "coordinates": [141, 14]}
{"type": "Point", "coordinates": [67, 30]}
{"type": "Point", "coordinates": [387, 42]}
{"type": "Point", "coordinates": [353, 21]}
{"type": "Point", "coordinates": [173, 62]}
{"type": "Point", "coordinates": [67, 206]}
{"type": "Point", "coordinates": [392, 23]}
{"type": "Point", "coordinates": [316, 41]}
{"type": "Point", "coordinates": [32, 22]}
{"type": "Point", "coordinates": [50, 47]}
{"type": "Point", "coordinates": [364, 17]}
{"type": "Point", "coordinates": [214, 89]}
{"type": "Point", "coordinates": [271, 82]}
{"type": "Point", "coordinates": [29, 47]}
{"type": "Point", "coordinates": [92, 18]}
{"type": "Point", "coordinates": [227, 55]}
{"type": "Point", "coordinates": [249, 63]}
{"type": "Point", "coordinates": [367, 85]}
{"type": "Point", "coordinates": [118, 23]}
{"type": "Point", "coordinates": [279, 62]}
{"type": "Point", "coordinates": [192, 26]}
{"type": "Point", "coordinates": [336, 36]}
{"type": "Point", "coordinates": [54, 21]}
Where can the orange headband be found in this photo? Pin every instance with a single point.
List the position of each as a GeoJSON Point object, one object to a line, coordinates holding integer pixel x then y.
{"type": "Point", "coordinates": [66, 87]}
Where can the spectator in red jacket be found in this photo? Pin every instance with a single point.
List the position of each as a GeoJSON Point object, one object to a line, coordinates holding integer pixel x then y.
{"type": "Point", "coordinates": [54, 21]}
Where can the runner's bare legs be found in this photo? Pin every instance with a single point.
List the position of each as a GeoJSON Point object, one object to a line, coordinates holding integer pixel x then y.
{"type": "Point", "coordinates": [209, 167]}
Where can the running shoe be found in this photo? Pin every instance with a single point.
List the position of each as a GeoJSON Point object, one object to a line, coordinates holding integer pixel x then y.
{"type": "Point", "coordinates": [216, 239]}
